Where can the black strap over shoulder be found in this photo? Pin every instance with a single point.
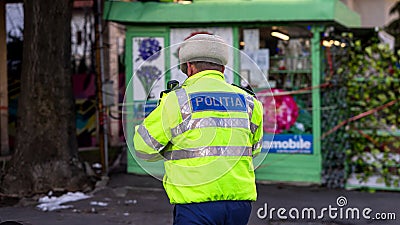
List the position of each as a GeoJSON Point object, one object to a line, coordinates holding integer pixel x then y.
{"type": "Point", "coordinates": [247, 89]}
{"type": "Point", "coordinates": [171, 85]}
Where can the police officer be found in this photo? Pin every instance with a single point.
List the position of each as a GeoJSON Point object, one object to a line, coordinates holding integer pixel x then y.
{"type": "Point", "coordinates": [207, 131]}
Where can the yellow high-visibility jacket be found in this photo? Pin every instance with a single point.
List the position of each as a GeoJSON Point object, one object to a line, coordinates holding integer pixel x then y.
{"type": "Point", "coordinates": [207, 132]}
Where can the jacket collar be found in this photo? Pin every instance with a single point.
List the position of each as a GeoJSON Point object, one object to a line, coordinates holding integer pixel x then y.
{"type": "Point", "coordinates": [206, 73]}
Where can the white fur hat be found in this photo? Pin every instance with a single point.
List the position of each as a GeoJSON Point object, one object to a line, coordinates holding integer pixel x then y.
{"type": "Point", "coordinates": [204, 47]}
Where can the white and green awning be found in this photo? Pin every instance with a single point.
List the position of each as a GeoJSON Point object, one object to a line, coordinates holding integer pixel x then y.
{"type": "Point", "coordinates": [231, 11]}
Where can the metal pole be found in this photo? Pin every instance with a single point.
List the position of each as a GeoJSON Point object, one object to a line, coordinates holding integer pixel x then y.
{"type": "Point", "coordinates": [102, 114]}
{"type": "Point", "coordinates": [4, 145]}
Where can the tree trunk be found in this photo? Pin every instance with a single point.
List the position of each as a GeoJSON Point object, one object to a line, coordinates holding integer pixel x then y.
{"type": "Point", "coordinates": [46, 154]}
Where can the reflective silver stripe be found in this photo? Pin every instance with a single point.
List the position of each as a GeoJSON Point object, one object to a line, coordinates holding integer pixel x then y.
{"type": "Point", "coordinates": [258, 145]}
{"type": "Point", "coordinates": [250, 106]}
{"type": "Point", "coordinates": [253, 127]}
{"type": "Point", "coordinates": [208, 151]}
{"type": "Point", "coordinates": [147, 156]}
{"type": "Point", "coordinates": [183, 101]}
{"type": "Point", "coordinates": [148, 139]}
{"type": "Point", "coordinates": [209, 122]}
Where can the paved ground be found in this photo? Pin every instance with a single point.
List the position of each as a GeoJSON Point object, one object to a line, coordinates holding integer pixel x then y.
{"type": "Point", "coordinates": [133, 199]}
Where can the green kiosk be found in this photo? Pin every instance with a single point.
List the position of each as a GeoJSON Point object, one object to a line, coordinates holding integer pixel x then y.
{"type": "Point", "coordinates": [283, 38]}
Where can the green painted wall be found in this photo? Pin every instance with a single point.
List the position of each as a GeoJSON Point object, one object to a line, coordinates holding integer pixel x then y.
{"type": "Point", "coordinates": [133, 31]}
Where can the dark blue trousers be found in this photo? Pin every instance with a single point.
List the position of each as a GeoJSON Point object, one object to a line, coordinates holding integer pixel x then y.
{"type": "Point", "coordinates": [213, 213]}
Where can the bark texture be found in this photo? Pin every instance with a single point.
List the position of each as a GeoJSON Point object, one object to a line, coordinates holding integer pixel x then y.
{"type": "Point", "coordinates": [46, 154]}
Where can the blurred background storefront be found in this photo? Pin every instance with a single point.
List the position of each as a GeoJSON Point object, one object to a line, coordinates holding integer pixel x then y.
{"type": "Point", "coordinates": [297, 45]}
{"type": "Point", "coordinates": [282, 38]}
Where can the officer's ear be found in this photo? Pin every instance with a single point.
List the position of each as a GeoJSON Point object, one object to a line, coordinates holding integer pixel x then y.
{"type": "Point", "coordinates": [183, 68]}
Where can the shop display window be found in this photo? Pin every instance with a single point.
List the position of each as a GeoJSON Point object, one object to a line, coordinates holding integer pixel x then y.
{"type": "Point", "coordinates": [283, 56]}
